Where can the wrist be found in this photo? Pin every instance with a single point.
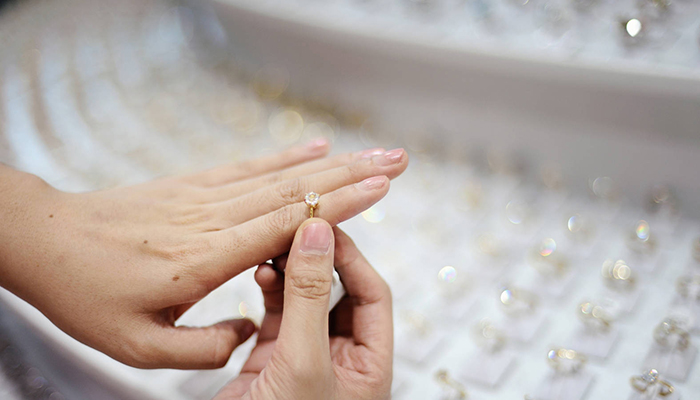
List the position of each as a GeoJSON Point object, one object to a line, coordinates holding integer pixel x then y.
{"type": "Point", "coordinates": [24, 199]}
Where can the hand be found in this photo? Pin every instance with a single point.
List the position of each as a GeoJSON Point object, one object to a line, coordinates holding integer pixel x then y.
{"type": "Point", "coordinates": [115, 269]}
{"type": "Point", "coordinates": [295, 359]}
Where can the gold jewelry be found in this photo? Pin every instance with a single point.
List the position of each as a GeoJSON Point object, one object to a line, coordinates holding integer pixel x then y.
{"type": "Point", "coordinates": [669, 333]}
{"type": "Point", "coordinates": [688, 286]}
{"type": "Point", "coordinates": [594, 316]}
{"type": "Point", "coordinates": [517, 302]}
{"type": "Point", "coordinates": [457, 389]}
{"type": "Point", "coordinates": [566, 361]}
{"type": "Point", "coordinates": [617, 274]}
{"type": "Point", "coordinates": [311, 199]}
{"type": "Point", "coordinates": [643, 382]}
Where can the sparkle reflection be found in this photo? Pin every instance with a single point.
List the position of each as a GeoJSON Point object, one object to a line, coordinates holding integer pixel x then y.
{"type": "Point", "coordinates": [243, 308]}
{"type": "Point", "coordinates": [574, 224]}
{"type": "Point", "coordinates": [633, 27]}
{"type": "Point", "coordinates": [547, 247]}
{"type": "Point", "coordinates": [447, 274]}
{"type": "Point", "coordinates": [374, 214]}
{"type": "Point", "coordinates": [506, 297]}
{"type": "Point", "coordinates": [642, 230]}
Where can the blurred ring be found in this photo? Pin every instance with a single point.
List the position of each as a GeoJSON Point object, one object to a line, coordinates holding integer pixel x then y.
{"type": "Point", "coordinates": [566, 361]}
{"type": "Point", "coordinates": [517, 302]}
{"type": "Point", "coordinates": [594, 316]}
{"type": "Point", "coordinates": [443, 377]}
{"type": "Point", "coordinates": [669, 334]}
{"type": "Point", "coordinates": [642, 383]}
{"type": "Point", "coordinates": [688, 286]}
{"type": "Point", "coordinates": [618, 274]}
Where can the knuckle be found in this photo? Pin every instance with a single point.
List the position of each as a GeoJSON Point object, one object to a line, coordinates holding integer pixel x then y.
{"type": "Point", "coordinates": [281, 221]}
{"type": "Point", "coordinates": [139, 353]}
{"type": "Point", "coordinates": [292, 191]}
{"type": "Point", "coordinates": [357, 170]}
{"type": "Point", "coordinates": [310, 284]}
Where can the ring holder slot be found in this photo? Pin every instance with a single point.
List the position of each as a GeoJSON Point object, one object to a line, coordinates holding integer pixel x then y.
{"type": "Point", "coordinates": [487, 368]}
{"type": "Point", "coordinates": [489, 364]}
{"type": "Point", "coordinates": [672, 363]}
{"type": "Point", "coordinates": [417, 339]}
{"type": "Point", "coordinates": [524, 329]}
{"type": "Point", "coordinates": [594, 343]}
{"type": "Point", "coordinates": [564, 386]}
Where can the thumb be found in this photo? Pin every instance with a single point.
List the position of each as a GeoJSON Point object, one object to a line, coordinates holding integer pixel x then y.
{"type": "Point", "coordinates": [186, 347]}
{"type": "Point", "coordinates": [307, 286]}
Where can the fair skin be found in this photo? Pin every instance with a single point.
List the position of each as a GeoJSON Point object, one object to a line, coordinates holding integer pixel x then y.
{"type": "Point", "coordinates": [303, 353]}
{"type": "Point", "coordinates": [115, 269]}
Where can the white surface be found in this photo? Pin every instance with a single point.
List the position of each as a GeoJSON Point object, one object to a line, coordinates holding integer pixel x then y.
{"type": "Point", "coordinates": [148, 108]}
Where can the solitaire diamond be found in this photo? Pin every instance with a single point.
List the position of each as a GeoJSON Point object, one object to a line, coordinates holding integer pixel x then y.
{"type": "Point", "coordinates": [311, 199]}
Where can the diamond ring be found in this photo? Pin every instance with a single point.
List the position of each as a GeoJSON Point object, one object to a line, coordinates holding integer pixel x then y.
{"type": "Point", "coordinates": [454, 389]}
{"type": "Point", "coordinates": [311, 200]}
{"type": "Point", "coordinates": [617, 274]}
{"type": "Point", "coordinates": [517, 302]}
{"type": "Point", "coordinates": [669, 333]}
{"type": "Point", "coordinates": [566, 361]}
{"type": "Point", "coordinates": [642, 383]}
{"type": "Point", "coordinates": [594, 316]}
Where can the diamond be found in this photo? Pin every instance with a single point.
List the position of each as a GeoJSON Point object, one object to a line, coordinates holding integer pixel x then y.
{"type": "Point", "coordinates": [311, 199]}
{"type": "Point", "coordinates": [651, 376]}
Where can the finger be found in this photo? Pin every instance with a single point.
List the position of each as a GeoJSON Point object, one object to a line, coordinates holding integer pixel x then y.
{"type": "Point", "coordinates": [280, 263]}
{"type": "Point", "coordinates": [226, 174]}
{"type": "Point", "coordinates": [271, 283]}
{"type": "Point", "coordinates": [236, 249]}
{"type": "Point", "coordinates": [307, 287]}
{"type": "Point", "coordinates": [194, 348]}
{"type": "Point", "coordinates": [258, 359]}
{"type": "Point", "coordinates": [239, 188]}
{"type": "Point", "coordinates": [268, 199]}
{"type": "Point", "coordinates": [372, 311]}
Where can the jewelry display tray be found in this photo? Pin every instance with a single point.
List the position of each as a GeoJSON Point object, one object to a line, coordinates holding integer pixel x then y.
{"type": "Point", "coordinates": [119, 80]}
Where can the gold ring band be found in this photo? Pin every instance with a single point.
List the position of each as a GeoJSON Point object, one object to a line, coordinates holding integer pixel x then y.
{"type": "Point", "coordinates": [566, 361]}
{"type": "Point", "coordinates": [443, 377]}
{"type": "Point", "coordinates": [594, 316]}
{"type": "Point", "coordinates": [669, 333]}
{"type": "Point", "coordinates": [642, 383]}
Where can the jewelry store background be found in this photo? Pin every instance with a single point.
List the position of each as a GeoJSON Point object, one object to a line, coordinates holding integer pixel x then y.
{"type": "Point", "coordinates": [548, 233]}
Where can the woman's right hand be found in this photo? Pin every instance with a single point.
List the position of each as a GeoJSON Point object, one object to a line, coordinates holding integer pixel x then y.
{"type": "Point", "coordinates": [302, 353]}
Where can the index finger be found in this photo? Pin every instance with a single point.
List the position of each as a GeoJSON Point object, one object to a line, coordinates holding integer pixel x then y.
{"type": "Point", "coordinates": [373, 325]}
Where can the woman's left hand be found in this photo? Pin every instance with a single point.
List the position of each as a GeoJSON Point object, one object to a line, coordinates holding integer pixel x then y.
{"type": "Point", "coordinates": [115, 269]}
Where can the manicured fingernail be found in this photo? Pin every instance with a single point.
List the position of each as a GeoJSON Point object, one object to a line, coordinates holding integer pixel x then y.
{"type": "Point", "coordinates": [316, 238]}
{"type": "Point", "coordinates": [372, 183]}
{"type": "Point", "coordinates": [371, 152]}
{"type": "Point", "coordinates": [317, 144]}
{"type": "Point", "coordinates": [388, 158]}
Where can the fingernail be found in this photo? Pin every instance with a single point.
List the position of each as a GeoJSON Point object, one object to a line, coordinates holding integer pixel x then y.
{"type": "Point", "coordinates": [388, 158]}
{"type": "Point", "coordinates": [371, 152]}
{"type": "Point", "coordinates": [317, 144]}
{"type": "Point", "coordinates": [372, 183]}
{"type": "Point", "coordinates": [316, 238]}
